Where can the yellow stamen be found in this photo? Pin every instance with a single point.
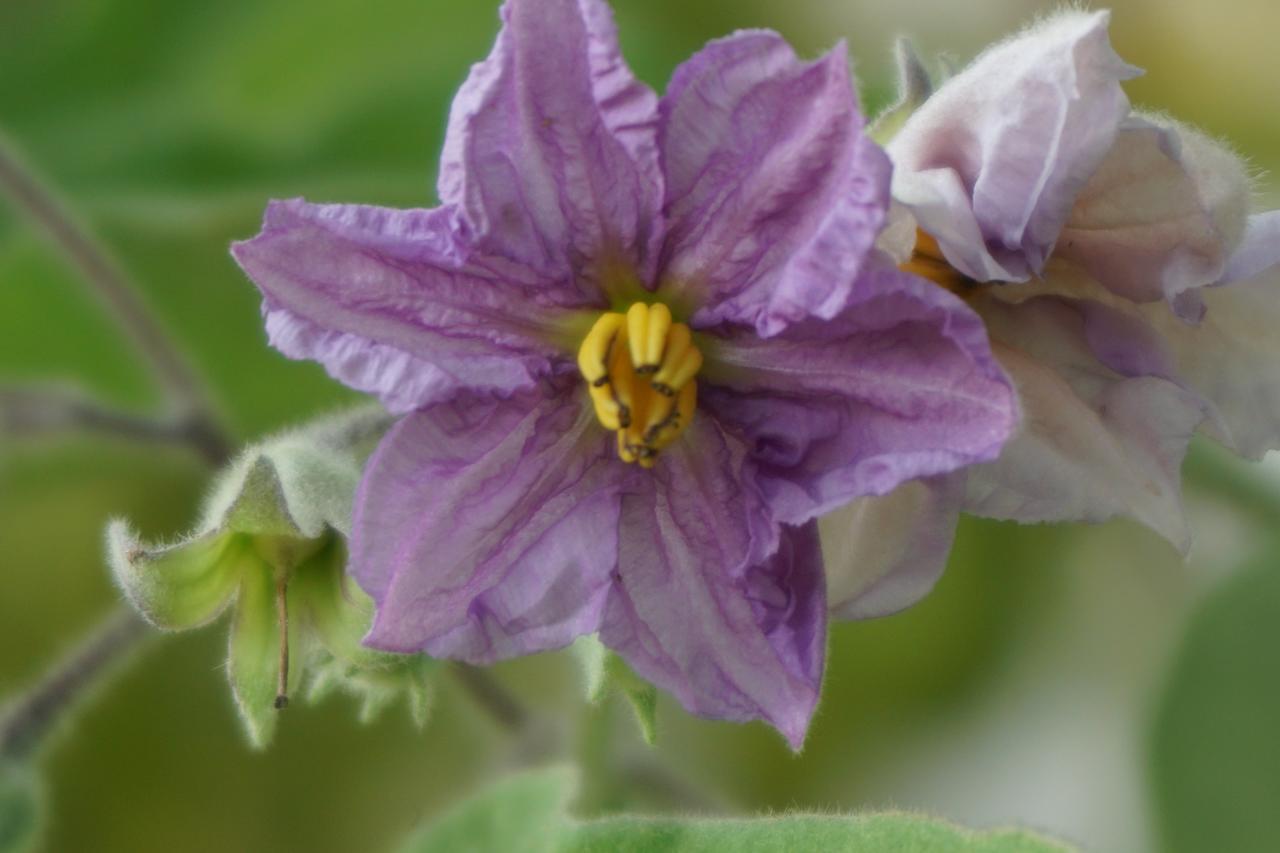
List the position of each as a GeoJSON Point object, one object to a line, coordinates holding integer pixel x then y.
{"type": "Point", "coordinates": [927, 261]}
{"type": "Point", "coordinates": [594, 354]}
{"type": "Point", "coordinates": [640, 368]}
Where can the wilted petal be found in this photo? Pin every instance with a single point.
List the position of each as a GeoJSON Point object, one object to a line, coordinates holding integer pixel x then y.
{"type": "Point", "coordinates": [774, 196]}
{"type": "Point", "coordinates": [1232, 357]}
{"type": "Point", "coordinates": [549, 146]}
{"type": "Point", "coordinates": [1160, 217]}
{"type": "Point", "coordinates": [699, 611]}
{"type": "Point", "coordinates": [1259, 251]}
{"type": "Point", "coordinates": [392, 304]}
{"type": "Point", "coordinates": [487, 528]}
{"type": "Point", "coordinates": [992, 163]}
{"type": "Point", "coordinates": [1094, 443]}
{"type": "Point", "coordinates": [901, 385]}
{"type": "Point", "coordinates": [884, 554]}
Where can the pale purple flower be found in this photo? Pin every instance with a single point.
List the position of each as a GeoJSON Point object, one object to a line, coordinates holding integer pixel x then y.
{"type": "Point", "coordinates": [1132, 299]}
{"type": "Point", "coordinates": [770, 366]}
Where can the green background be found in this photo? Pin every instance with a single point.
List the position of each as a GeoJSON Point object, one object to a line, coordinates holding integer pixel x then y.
{"type": "Point", "coordinates": [1023, 690]}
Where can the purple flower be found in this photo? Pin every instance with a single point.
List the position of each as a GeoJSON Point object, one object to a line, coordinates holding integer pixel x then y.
{"type": "Point", "coordinates": [685, 283]}
{"type": "Point", "coordinates": [1133, 300]}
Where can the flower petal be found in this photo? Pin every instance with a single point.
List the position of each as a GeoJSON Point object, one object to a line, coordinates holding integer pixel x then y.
{"type": "Point", "coordinates": [899, 386]}
{"type": "Point", "coordinates": [774, 196]}
{"type": "Point", "coordinates": [485, 528]}
{"type": "Point", "coordinates": [884, 554]}
{"type": "Point", "coordinates": [1259, 251]}
{"type": "Point", "coordinates": [1160, 217]}
{"type": "Point", "coordinates": [735, 631]}
{"type": "Point", "coordinates": [392, 304]}
{"type": "Point", "coordinates": [1095, 443]}
{"type": "Point", "coordinates": [1232, 357]}
{"type": "Point", "coordinates": [992, 163]}
{"type": "Point", "coordinates": [549, 149]}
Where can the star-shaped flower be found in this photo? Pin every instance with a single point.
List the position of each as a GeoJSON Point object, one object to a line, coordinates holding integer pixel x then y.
{"type": "Point", "coordinates": [640, 346]}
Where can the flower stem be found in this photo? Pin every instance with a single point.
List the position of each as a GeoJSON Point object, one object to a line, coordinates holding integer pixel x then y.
{"type": "Point", "coordinates": [503, 707]}
{"type": "Point", "coordinates": [166, 362]}
{"type": "Point", "coordinates": [34, 714]}
{"type": "Point", "coordinates": [42, 410]}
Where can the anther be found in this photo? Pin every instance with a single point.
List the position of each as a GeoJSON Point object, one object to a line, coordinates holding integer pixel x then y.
{"type": "Point", "coordinates": [640, 368]}
{"type": "Point", "coordinates": [596, 351]}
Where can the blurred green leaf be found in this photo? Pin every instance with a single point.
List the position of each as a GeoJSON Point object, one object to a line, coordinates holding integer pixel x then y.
{"type": "Point", "coordinates": [521, 814]}
{"type": "Point", "coordinates": [19, 808]}
{"type": "Point", "coordinates": [528, 813]}
{"type": "Point", "coordinates": [1216, 744]}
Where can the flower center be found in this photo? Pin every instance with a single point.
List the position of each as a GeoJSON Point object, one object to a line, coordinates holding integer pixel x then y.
{"type": "Point", "coordinates": [927, 261]}
{"type": "Point", "coordinates": [640, 369]}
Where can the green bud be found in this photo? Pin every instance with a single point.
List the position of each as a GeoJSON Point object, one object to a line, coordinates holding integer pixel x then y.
{"type": "Point", "coordinates": [272, 540]}
{"type": "Point", "coordinates": [603, 673]}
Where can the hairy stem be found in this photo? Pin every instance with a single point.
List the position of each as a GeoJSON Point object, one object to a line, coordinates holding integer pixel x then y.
{"type": "Point", "coordinates": [157, 349]}
{"type": "Point", "coordinates": [34, 714]}
{"type": "Point", "coordinates": [499, 703]}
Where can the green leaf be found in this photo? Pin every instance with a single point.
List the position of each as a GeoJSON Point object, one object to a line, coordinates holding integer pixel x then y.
{"type": "Point", "coordinates": [19, 808]}
{"type": "Point", "coordinates": [178, 586]}
{"type": "Point", "coordinates": [529, 813]}
{"type": "Point", "coordinates": [604, 672]}
{"type": "Point", "coordinates": [900, 833]}
{"type": "Point", "coordinates": [1215, 747]}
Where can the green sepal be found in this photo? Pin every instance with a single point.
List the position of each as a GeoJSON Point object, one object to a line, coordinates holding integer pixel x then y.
{"type": "Point", "coordinates": [253, 656]}
{"type": "Point", "coordinates": [914, 88]}
{"type": "Point", "coordinates": [604, 672]}
{"type": "Point", "coordinates": [334, 607]}
{"type": "Point", "coordinates": [297, 483]}
{"type": "Point", "coordinates": [377, 687]}
{"type": "Point", "coordinates": [279, 500]}
{"type": "Point", "coordinates": [178, 586]}
{"type": "Point", "coordinates": [20, 807]}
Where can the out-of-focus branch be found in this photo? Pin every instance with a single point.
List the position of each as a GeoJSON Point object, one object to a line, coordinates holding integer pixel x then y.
{"type": "Point", "coordinates": [29, 719]}
{"type": "Point", "coordinates": [153, 343]}
{"type": "Point", "coordinates": [45, 410]}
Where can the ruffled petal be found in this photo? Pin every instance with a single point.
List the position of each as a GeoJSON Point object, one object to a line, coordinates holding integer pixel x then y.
{"type": "Point", "coordinates": [774, 196]}
{"type": "Point", "coordinates": [486, 529]}
{"type": "Point", "coordinates": [549, 152]}
{"type": "Point", "coordinates": [901, 385]}
{"type": "Point", "coordinates": [993, 161]}
{"type": "Point", "coordinates": [1103, 432]}
{"type": "Point", "coordinates": [734, 630]}
{"type": "Point", "coordinates": [884, 554]}
{"type": "Point", "coordinates": [390, 303]}
{"type": "Point", "coordinates": [1160, 217]}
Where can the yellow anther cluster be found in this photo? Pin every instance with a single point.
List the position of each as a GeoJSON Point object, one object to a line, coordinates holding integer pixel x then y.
{"type": "Point", "coordinates": [927, 261]}
{"type": "Point", "coordinates": [640, 369]}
